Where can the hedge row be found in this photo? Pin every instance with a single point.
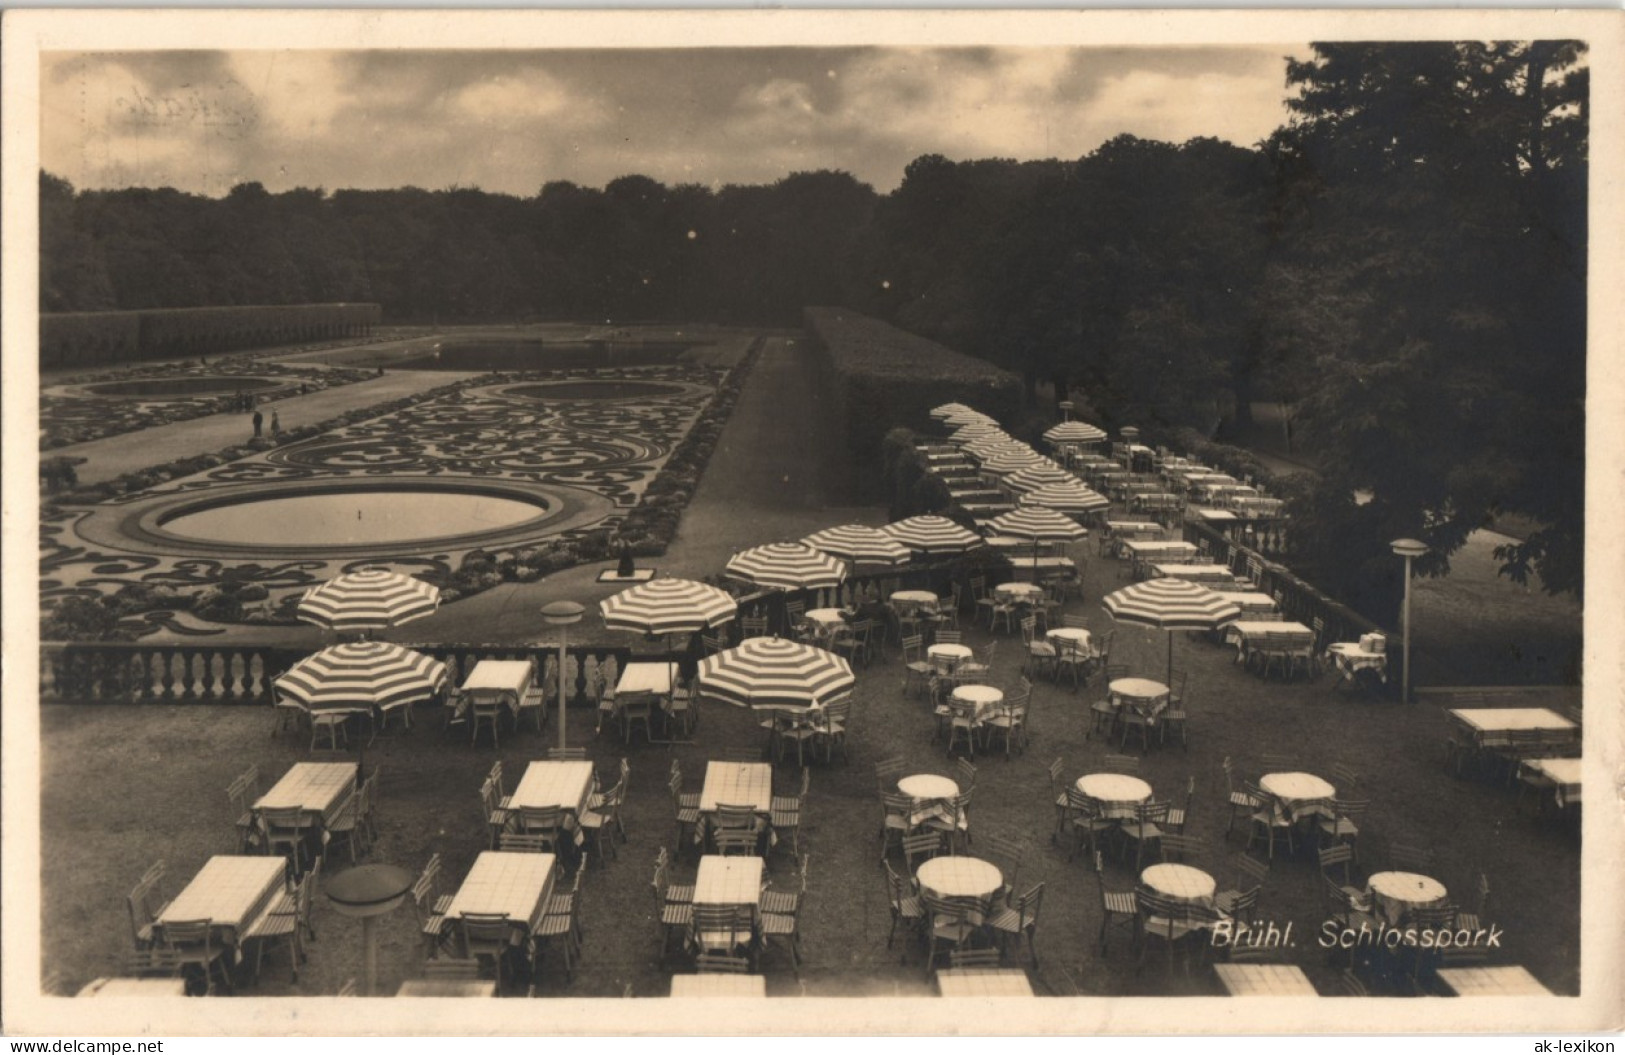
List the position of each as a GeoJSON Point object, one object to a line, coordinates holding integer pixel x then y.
{"type": "Point", "coordinates": [881, 376]}
{"type": "Point", "coordinates": [88, 338]}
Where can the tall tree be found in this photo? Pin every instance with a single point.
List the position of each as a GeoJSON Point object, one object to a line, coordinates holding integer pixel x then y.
{"type": "Point", "coordinates": [1437, 253]}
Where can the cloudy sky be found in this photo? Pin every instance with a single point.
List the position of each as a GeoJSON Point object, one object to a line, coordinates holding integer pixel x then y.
{"type": "Point", "coordinates": [510, 121]}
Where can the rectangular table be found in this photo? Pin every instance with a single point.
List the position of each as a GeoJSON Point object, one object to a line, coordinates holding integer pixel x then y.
{"type": "Point", "coordinates": [438, 987]}
{"type": "Point", "coordinates": [1239, 632]}
{"type": "Point", "coordinates": [1564, 773]}
{"type": "Point", "coordinates": [1143, 551]}
{"type": "Point", "coordinates": [1510, 980]}
{"type": "Point", "coordinates": [1507, 719]}
{"type": "Point", "coordinates": [142, 987]}
{"type": "Point", "coordinates": [517, 884]}
{"type": "Point", "coordinates": [566, 785]}
{"type": "Point", "coordinates": [319, 788]}
{"type": "Point", "coordinates": [737, 784]}
{"type": "Point", "coordinates": [646, 677]}
{"type": "Point", "coordinates": [983, 981]}
{"type": "Point", "coordinates": [1263, 979]}
{"type": "Point", "coordinates": [231, 890]}
{"type": "Point", "coordinates": [1251, 602]}
{"type": "Point", "coordinates": [503, 679]}
{"type": "Point", "coordinates": [728, 881]}
{"type": "Point", "coordinates": [736, 985]}
{"type": "Point", "coordinates": [1198, 573]}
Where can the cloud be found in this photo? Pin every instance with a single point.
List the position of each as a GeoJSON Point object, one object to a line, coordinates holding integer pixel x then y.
{"type": "Point", "coordinates": [511, 120]}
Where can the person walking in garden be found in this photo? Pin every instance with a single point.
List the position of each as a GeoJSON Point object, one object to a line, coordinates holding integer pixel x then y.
{"type": "Point", "coordinates": [276, 425]}
{"type": "Point", "coordinates": [259, 419]}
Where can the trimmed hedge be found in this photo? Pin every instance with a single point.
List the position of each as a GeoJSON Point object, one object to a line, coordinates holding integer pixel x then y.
{"type": "Point", "coordinates": [89, 338]}
{"type": "Point", "coordinates": [881, 376]}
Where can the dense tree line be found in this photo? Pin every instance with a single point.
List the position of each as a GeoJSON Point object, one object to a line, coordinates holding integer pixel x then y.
{"type": "Point", "coordinates": [1404, 261]}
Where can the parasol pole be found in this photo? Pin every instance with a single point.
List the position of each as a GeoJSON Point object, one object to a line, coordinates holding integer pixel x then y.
{"type": "Point", "coordinates": [562, 614]}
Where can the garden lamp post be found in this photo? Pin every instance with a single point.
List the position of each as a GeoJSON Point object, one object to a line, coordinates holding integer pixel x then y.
{"type": "Point", "coordinates": [562, 614]}
{"type": "Point", "coordinates": [365, 893]}
{"type": "Point", "coordinates": [1410, 549]}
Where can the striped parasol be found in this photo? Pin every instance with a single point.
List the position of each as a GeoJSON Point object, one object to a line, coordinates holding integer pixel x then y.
{"type": "Point", "coordinates": [1169, 605]}
{"type": "Point", "coordinates": [1007, 462]}
{"type": "Point", "coordinates": [369, 599]}
{"type": "Point", "coordinates": [1074, 432]}
{"type": "Point", "coordinates": [1066, 497]}
{"type": "Point", "coordinates": [787, 566]}
{"type": "Point", "coordinates": [933, 534]}
{"type": "Point", "coordinates": [968, 418]}
{"type": "Point", "coordinates": [668, 606]}
{"type": "Point", "coordinates": [362, 674]}
{"type": "Point", "coordinates": [985, 447]}
{"type": "Point", "coordinates": [859, 544]}
{"type": "Point", "coordinates": [1035, 476]}
{"type": "Point", "coordinates": [948, 410]}
{"type": "Point", "coordinates": [765, 673]}
{"type": "Point", "coordinates": [968, 434]}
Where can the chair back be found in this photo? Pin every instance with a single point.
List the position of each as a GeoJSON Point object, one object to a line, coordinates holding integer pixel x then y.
{"type": "Point", "coordinates": [1151, 813]}
{"type": "Point", "coordinates": [899, 889]}
{"type": "Point", "coordinates": [191, 941]}
{"type": "Point", "coordinates": [1121, 764]}
{"type": "Point", "coordinates": [1251, 867]}
{"type": "Point", "coordinates": [1339, 856]}
{"type": "Point", "coordinates": [926, 844]}
{"type": "Point", "coordinates": [967, 772]}
{"type": "Point", "coordinates": [950, 637]}
{"type": "Point", "coordinates": [730, 815]}
{"type": "Point", "coordinates": [1075, 622]}
{"type": "Point", "coordinates": [281, 822]}
{"type": "Point", "coordinates": [974, 958]}
{"type": "Point", "coordinates": [887, 772]}
{"type": "Point", "coordinates": [486, 933]}
{"type": "Point", "coordinates": [1056, 768]}
{"type": "Point", "coordinates": [494, 777]}
{"type": "Point", "coordinates": [724, 927]}
{"type": "Point", "coordinates": [1028, 905]}
{"type": "Point", "coordinates": [719, 963]}
{"type": "Point", "coordinates": [423, 888]}
{"type": "Point", "coordinates": [452, 968]}
{"type": "Point", "coordinates": [544, 821]}
{"type": "Point", "coordinates": [518, 842]}
{"type": "Point", "coordinates": [732, 841]}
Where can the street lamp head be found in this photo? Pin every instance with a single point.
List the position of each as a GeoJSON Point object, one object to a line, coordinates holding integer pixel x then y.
{"type": "Point", "coordinates": [562, 613]}
{"type": "Point", "coordinates": [1408, 548]}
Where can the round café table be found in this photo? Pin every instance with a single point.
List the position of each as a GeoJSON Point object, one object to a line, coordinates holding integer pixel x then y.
{"type": "Point", "coordinates": [1117, 793]}
{"type": "Point", "coordinates": [985, 697]}
{"type": "Point", "coordinates": [914, 599]}
{"type": "Point", "coordinates": [960, 877]}
{"type": "Point", "coordinates": [824, 621]}
{"type": "Point", "coordinates": [1075, 635]}
{"type": "Point", "coordinates": [1293, 788]}
{"type": "Point", "coordinates": [1148, 697]}
{"type": "Point", "coordinates": [928, 786]}
{"type": "Point", "coordinates": [1020, 592]}
{"type": "Point", "coordinates": [1179, 882]}
{"type": "Point", "coordinates": [1395, 893]}
{"type": "Point", "coordinates": [1138, 689]}
{"type": "Point", "coordinates": [947, 657]}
